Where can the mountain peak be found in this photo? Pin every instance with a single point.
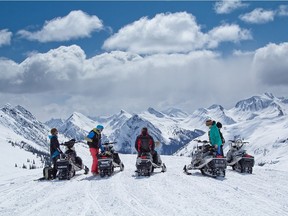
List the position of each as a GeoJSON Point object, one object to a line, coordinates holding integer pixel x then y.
{"type": "Point", "coordinates": [25, 112]}
{"type": "Point", "coordinates": [124, 112]}
{"type": "Point", "coordinates": [216, 106]}
{"type": "Point", "coordinates": [269, 95]}
{"type": "Point", "coordinates": [8, 106]}
{"type": "Point", "coordinates": [155, 112]}
{"type": "Point", "coordinates": [76, 115]}
{"type": "Point", "coordinates": [257, 103]}
{"type": "Point", "coordinates": [175, 112]}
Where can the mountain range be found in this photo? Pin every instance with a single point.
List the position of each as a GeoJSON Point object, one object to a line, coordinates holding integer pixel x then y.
{"type": "Point", "coordinates": [261, 120]}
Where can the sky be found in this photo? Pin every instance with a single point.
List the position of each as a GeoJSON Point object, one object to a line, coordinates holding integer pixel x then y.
{"type": "Point", "coordinates": [100, 57]}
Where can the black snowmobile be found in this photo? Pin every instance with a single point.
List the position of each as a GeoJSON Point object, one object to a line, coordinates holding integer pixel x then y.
{"type": "Point", "coordinates": [108, 160]}
{"type": "Point", "coordinates": [145, 165]}
{"type": "Point", "coordinates": [204, 158]}
{"type": "Point", "coordinates": [69, 162]}
{"type": "Point", "coordinates": [238, 159]}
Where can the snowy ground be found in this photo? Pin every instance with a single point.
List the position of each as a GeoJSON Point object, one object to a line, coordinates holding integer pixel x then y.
{"type": "Point", "coordinates": [171, 193]}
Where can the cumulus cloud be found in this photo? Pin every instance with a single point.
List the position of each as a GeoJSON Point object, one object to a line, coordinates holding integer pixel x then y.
{"type": "Point", "coordinates": [270, 64]}
{"type": "Point", "coordinates": [76, 24]}
{"type": "Point", "coordinates": [64, 80]}
{"type": "Point", "coordinates": [225, 32]}
{"type": "Point", "coordinates": [171, 32]}
{"type": "Point", "coordinates": [5, 37]}
{"type": "Point", "coordinates": [106, 83]}
{"type": "Point", "coordinates": [283, 10]}
{"type": "Point", "coordinates": [258, 16]}
{"type": "Point", "coordinates": [176, 32]}
{"type": "Point", "coordinates": [9, 70]}
{"type": "Point", "coordinates": [227, 6]}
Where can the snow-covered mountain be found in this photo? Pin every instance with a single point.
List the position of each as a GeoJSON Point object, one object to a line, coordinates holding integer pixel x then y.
{"type": "Point", "coordinates": [216, 112]}
{"type": "Point", "coordinates": [77, 126]}
{"type": "Point", "coordinates": [21, 122]}
{"type": "Point", "coordinates": [175, 112]}
{"type": "Point", "coordinates": [266, 132]}
{"type": "Point", "coordinates": [261, 120]}
{"type": "Point", "coordinates": [263, 106]}
{"type": "Point", "coordinates": [124, 128]}
{"type": "Point", "coordinates": [54, 123]}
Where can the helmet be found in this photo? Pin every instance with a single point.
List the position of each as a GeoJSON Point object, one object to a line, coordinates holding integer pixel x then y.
{"type": "Point", "coordinates": [144, 131]}
{"type": "Point", "coordinates": [53, 131]}
{"type": "Point", "coordinates": [209, 122]}
{"type": "Point", "coordinates": [100, 127]}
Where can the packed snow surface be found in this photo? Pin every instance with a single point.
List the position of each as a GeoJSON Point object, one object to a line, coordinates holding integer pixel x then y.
{"type": "Point", "coordinates": [171, 193]}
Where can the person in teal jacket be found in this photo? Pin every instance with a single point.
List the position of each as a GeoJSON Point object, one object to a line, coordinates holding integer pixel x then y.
{"type": "Point", "coordinates": [214, 136]}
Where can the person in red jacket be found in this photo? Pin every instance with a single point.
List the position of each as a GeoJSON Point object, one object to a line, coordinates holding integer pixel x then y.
{"type": "Point", "coordinates": [145, 144]}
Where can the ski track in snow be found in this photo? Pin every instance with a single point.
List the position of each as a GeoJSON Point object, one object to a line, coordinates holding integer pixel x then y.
{"type": "Point", "coordinates": [171, 193]}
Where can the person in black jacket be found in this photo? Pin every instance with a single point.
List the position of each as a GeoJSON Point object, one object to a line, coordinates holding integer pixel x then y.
{"type": "Point", "coordinates": [94, 142]}
{"type": "Point", "coordinates": [145, 143]}
{"type": "Point", "coordinates": [55, 150]}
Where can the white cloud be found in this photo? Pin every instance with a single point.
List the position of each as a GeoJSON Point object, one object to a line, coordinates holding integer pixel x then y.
{"type": "Point", "coordinates": [171, 32]}
{"type": "Point", "coordinates": [5, 37]}
{"type": "Point", "coordinates": [227, 6]}
{"type": "Point", "coordinates": [225, 32]}
{"type": "Point", "coordinates": [176, 32]}
{"type": "Point", "coordinates": [106, 83]}
{"type": "Point", "coordinates": [64, 80]}
{"type": "Point", "coordinates": [283, 10]}
{"type": "Point", "coordinates": [9, 70]}
{"type": "Point", "coordinates": [270, 64]}
{"type": "Point", "coordinates": [258, 16]}
{"type": "Point", "coordinates": [243, 53]}
{"type": "Point", "coordinates": [76, 24]}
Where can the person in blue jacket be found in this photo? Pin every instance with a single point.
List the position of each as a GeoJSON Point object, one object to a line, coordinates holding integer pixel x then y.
{"type": "Point", "coordinates": [55, 150]}
{"type": "Point", "coordinates": [214, 136]}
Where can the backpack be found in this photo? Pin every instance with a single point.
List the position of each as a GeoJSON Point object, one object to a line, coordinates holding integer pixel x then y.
{"type": "Point", "coordinates": [48, 173]}
{"type": "Point", "coordinates": [145, 144]}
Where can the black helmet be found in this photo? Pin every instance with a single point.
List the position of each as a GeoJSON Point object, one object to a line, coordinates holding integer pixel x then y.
{"type": "Point", "coordinates": [144, 131]}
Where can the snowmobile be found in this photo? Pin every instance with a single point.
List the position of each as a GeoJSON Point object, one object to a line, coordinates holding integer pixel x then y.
{"type": "Point", "coordinates": [204, 158]}
{"type": "Point", "coordinates": [145, 165]}
{"type": "Point", "coordinates": [69, 162]}
{"type": "Point", "coordinates": [238, 159]}
{"type": "Point", "coordinates": [108, 160]}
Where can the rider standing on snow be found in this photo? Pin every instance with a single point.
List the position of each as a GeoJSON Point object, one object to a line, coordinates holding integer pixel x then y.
{"type": "Point", "coordinates": [94, 141]}
{"type": "Point", "coordinates": [214, 136]}
{"type": "Point", "coordinates": [219, 126]}
{"type": "Point", "coordinates": [145, 144]}
{"type": "Point", "coordinates": [55, 150]}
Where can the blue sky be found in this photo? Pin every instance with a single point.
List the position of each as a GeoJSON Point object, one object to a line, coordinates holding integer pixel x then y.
{"type": "Point", "coordinates": [133, 55]}
{"type": "Point", "coordinates": [24, 15]}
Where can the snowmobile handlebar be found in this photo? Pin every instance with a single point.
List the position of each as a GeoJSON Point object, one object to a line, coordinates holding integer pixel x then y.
{"type": "Point", "coordinates": [201, 141]}
{"type": "Point", "coordinates": [109, 143]}
{"type": "Point", "coordinates": [237, 141]}
{"type": "Point", "coordinates": [70, 142]}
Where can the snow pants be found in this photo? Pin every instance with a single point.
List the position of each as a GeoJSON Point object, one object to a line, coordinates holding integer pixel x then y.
{"type": "Point", "coordinates": [94, 153]}
{"type": "Point", "coordinates": [54, 161]}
